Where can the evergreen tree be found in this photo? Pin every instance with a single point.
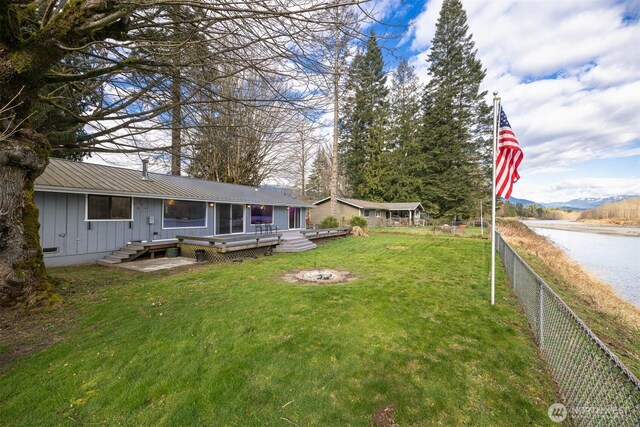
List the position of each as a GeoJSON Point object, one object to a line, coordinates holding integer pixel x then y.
{"type": "Point", "coordinates": [319, 185]}
{"type": "Point", "coordinates": [456, 124]}
{"type": "Point", "coordinates": [364, 124]}
{"type": "Point", "coordinates": [403, 174]}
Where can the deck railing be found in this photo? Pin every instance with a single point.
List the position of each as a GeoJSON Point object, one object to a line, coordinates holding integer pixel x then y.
{"type": "Point", "coordinates": [596, 387]}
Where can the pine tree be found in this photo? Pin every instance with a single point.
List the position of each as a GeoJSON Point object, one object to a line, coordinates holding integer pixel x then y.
{"type": "Point", "coordinates": [456, 119]}
{"type": "Point", "coordinates": [403, 180]}
{"type": "Point", "coordinates": [364, 124]}
{"type": "Point", "coordinates": [319, 185]}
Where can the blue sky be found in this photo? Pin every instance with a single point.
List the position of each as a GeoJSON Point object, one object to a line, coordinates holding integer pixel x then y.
{"type": "Point", "coordinates": [568, 73]}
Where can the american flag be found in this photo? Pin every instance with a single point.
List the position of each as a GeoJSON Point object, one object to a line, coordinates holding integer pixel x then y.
{"type": "Point", "coordinates": [509, 158]}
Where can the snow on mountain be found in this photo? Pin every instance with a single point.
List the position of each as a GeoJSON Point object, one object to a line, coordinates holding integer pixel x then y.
{"type": "Point", "coordinates": [578, 204]}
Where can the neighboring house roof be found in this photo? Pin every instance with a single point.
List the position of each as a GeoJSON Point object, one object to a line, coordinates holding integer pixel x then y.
{"type": "Point", "coordinates": [410, 206]}
{"type": "Point", "coordinates": [356, 203]}
{"type": "Point", "coordinates": [365, 204]}
{"type": "Point", "coordinates": [79, 177]}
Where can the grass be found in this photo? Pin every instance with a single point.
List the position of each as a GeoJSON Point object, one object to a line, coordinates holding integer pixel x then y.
{"type": "Point", "coordinates": [614, 320]}
{"type": "Point", "coordinates": [233, 344]}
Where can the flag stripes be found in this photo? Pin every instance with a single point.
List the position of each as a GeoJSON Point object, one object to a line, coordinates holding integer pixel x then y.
{"type": "Point", "coordinates": [508, 159]}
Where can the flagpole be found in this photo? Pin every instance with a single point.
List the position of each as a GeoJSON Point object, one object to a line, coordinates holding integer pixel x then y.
{"type": "Point", "coordinates": [496, 112]}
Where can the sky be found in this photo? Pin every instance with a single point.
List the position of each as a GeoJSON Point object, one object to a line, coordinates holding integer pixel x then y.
{"type": "Point", "coordinates": [568, 75]}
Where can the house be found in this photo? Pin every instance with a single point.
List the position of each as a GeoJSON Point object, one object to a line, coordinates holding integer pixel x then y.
{"type": "Point", "coordinates": [87, 211]}
{"type": "Point", "coordinates": [376, 213]}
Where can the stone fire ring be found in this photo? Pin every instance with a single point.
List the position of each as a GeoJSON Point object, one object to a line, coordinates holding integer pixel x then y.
{"type": "Point", "coordinates": [320, 276]}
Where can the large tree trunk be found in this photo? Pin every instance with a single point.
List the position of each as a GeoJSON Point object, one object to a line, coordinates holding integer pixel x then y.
{"type": "Point", "coordinates": [23, 278]}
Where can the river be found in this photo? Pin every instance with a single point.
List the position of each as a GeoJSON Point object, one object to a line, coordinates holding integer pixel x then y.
{"type": "Point", "coordinates": [612, 258]}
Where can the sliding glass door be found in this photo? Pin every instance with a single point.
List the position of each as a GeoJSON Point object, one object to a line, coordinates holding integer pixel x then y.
{"type": "Point", "coordinates": [229, 218]}
{"type": "Point", "coordinates": [294, 217]}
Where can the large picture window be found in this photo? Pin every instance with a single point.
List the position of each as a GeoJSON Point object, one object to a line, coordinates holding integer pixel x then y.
{"type": "Point", "coordinates": [184, 214]}
{"type": "Point", "coordinates": [104, 208]}
{"type": "Point", "coordinates": [261, 214]}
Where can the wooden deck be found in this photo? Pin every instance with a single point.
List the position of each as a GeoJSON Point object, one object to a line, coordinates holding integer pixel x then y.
{"type": "Point", "coordinates": [232, 243]}
{"type": "Point", "coordinates": [322, 233]}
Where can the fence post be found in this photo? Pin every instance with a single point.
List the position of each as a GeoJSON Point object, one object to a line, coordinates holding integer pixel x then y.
{"type": "Point", "coordinates": [541, 315]}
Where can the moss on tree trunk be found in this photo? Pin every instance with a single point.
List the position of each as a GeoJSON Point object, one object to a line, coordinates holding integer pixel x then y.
{"type": "Point", "coordinates": [23, 278]}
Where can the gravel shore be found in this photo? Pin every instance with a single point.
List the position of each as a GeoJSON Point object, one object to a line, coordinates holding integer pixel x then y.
{"type": "Point", "coordinates": [614, 230]}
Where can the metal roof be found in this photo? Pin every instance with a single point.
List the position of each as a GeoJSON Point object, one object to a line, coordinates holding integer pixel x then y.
{"type": "Point", "coordinates": [79, 177]}
{"type": "Point", "coordinates": [365, 204]}
{"type": "Point", "coordinates": [410, 206]}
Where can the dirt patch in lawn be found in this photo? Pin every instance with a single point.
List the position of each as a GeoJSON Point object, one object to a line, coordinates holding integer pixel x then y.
{"type": "Point", "coordinates": [321, 276]}
{"type": "Point", "coordinates": [384, 417]}
{"type": "Point", "coordinates": [26, 331]}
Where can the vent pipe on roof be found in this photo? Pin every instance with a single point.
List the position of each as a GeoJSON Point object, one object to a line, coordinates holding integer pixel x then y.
{"type": "Point", "coordinates": [145, 170]}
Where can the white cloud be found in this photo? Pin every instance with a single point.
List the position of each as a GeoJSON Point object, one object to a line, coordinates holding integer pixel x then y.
{"type": "Point", "coordinates": [568, 73]}
{"type": "Point", "coordinates": [569, 189]}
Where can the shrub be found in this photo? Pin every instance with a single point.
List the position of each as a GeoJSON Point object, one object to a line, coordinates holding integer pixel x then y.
{"type": "Point", "coordinates": [358, 221]}
{"type": "Point", "coordinates": [329, 222]}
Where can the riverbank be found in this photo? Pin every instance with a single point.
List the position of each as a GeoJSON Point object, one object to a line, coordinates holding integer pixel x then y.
{"type": "Point", "coordinates": [614, 320]}
{"type": "Point", "coordinates": [587, 227]}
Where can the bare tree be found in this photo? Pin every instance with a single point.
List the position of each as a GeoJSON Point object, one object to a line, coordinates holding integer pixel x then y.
{"type": "Point", "coordinates": [122, 66]}
{"type": "Point", "coordinates": [337, 44]}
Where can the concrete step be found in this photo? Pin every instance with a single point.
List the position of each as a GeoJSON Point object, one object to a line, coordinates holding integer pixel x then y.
{"type": "Point", "coordinates": [297, 239]}
{"type": "Point", "coordinates": [295, 242]}
{"type": "Point", "coordinates": [301, 247]}
{"type": "Point", "coordinates": [292, 250]}
{"type": "Point", "coordinates": [107, 262]}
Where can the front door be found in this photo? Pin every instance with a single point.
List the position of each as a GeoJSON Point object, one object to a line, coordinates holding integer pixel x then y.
{"type": "Point", "coordinates": [294, 217]}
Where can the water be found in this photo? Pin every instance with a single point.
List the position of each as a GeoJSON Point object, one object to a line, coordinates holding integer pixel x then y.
{"type": "Point", "coordinates": [613, 259]}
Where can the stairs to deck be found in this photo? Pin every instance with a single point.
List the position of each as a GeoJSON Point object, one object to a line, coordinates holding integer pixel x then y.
{"type": "Point", "coordinates": [135, 250]}
{"type": "Point", "coordinates": [125, 254]}
{"type": "Point", "coordinates": [294, 242]}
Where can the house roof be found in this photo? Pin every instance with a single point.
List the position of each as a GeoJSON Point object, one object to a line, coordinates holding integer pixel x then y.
{"type": "Point", "coordinates": [365, 204]}
{"type": "Point", "coordinates": [410, 206]}
{"type": "Point", "coordinates": [79, 177]}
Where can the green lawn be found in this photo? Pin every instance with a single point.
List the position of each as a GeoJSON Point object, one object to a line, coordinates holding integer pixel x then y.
{"type": "Point", "coordinates": [233, 344]}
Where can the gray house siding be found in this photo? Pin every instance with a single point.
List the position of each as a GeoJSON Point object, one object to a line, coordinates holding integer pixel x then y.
{"type": "Point", "coordinates": [63, 227]}
{"type": "Point", "coordinates": [77, 241]}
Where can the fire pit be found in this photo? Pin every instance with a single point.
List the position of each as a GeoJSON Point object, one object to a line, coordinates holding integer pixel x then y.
{"type": "Point", "coordinates": [319, 277]}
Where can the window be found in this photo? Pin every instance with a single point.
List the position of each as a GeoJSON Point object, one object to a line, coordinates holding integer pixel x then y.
{"type": "Point", "coordinates": [229, 218]}
{"type": "Point", "coordinates": [101, 208]}
{"type": "Point", "coordinates": [261, 214]}
{"type": "Point", "coordinates": [184, 214]}
{"type": "Point", "coordinates": [365, 212]}
{"type": "Point", "coordinates": [377, 213]}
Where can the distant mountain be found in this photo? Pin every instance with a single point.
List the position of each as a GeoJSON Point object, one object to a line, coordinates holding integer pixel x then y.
{"type": "Point", "coordinates": [588, 202]}
{"type": "Point", "coordinates": [575, 204]}
{"type": "Point", "coordinates": [523, 202]}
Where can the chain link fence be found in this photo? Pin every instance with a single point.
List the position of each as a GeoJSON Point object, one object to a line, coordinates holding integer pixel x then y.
{"type": "Point", "coordinates": [598, 390]}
